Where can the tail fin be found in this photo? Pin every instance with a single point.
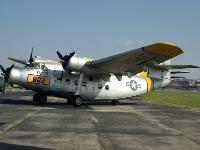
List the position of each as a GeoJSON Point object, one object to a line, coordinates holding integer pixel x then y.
{"type": "Point", "coordinates": [163, 70]}
{"type": "Point", "coordinates": [161, 74]}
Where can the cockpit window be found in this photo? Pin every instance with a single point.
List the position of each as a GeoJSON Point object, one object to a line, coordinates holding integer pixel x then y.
{"type": "Point", "coordinates": [35, 65]}
{"type": "Point", "coordinates": [43, 67]}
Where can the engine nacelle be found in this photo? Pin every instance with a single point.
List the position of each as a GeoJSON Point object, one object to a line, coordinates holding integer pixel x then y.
{"type": "Point", "coordinates": [76, 63]}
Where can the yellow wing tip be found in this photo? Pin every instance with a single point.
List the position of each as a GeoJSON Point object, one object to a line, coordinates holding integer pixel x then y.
{"type": "Point", "coordinates": [167, 43]}
{"type": "Point", "coordinates": [164, 48]}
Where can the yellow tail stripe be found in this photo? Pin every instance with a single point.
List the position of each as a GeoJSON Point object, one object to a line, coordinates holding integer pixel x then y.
{"type": "Point", "coordinates": [149, 84]}
{"type": "Point", "coordinates": [149, 81]}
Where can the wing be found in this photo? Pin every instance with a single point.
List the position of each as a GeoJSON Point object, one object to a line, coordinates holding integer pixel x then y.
{"type": "Point", "coordinates": [134, 61]}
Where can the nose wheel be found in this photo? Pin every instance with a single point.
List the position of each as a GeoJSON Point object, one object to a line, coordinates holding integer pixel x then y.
{"type": "Point", "coordinates": [78, 101]}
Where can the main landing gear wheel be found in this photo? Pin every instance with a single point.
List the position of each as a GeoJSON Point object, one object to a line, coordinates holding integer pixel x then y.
{"type": "Point", "coordinates": [115, 102]}
{"type": "Point", "coordinates": [78, 101]}
{"type": "Point", "coordinates": [41, 98]}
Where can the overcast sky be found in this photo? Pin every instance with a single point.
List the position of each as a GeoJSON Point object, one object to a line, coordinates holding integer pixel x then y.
{"type": "Point", "coordinates": [98, 28]}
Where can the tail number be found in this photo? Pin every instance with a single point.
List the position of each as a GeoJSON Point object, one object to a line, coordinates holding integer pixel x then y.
{"type": "Point", "coordinates": [43, 80]}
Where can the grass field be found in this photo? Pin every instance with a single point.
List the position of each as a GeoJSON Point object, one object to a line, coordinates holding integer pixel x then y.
{"type": "Point", "coordinates": [174, 97]}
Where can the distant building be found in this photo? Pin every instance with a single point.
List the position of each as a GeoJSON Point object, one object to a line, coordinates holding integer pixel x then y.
{"type": "Point", "coordinates": [184, 84]}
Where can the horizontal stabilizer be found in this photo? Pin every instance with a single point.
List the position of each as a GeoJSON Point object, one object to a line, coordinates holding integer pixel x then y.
{"type": "Point", "coordinates": [177, 72]}
{"type": "Point", "coordinates": [18, 60]}
{"type": "Point", "coordinates": [174, 77]}
{"type": "Point", "coordinates": [166, 67]}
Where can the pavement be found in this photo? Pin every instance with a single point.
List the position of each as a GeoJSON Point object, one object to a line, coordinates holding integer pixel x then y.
{"type": "Point", "coordinates": [133, 124]}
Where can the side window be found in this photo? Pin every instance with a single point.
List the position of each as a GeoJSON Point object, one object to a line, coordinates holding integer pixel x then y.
{"type": "Point", "coordinates": [84, 84]}
{"type": "Point", "coordinates": [91, 78]}
{"type": "Point", "coordinates": [99, 86]}
{"type": "Point", "coordinates": [107, 87]}
{"type": "Point", "coordinates": [67, 81]}
{"type": "Point", "coordinates": [45, 68]}
{"type": "Point", "coordinates": [42, 67]}
{"type": "Point", "coordinates": [75, 82]}
{"type": "Point", "coordinates": [59, 80]}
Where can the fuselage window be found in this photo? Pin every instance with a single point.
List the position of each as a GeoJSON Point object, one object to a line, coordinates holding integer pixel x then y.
{"type": "Point", "coordinates": [59, 80]}
{"type": "Point", "coordinates": [91, 78]}
{"type": "Point", "coordinates": [84, 84]}
{"type": "Point", "coordinates": [67, 81]}
{"type": "Point", "coordinates": [35, 65]}
{"type": "Point", "coordinates": [75, 82]}
{"type": "Point", "coordinates": [99, 86]}
{"type": "Point", "coordinates": [107, 87]}
{"type": "Point", "coordinates": [42, 67]}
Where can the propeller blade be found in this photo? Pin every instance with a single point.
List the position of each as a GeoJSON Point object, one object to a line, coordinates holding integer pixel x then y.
{"type": "Point", "coordinates": [31, 57]}
{"type": "Point", "coordinates": [65, 59]}
{"type": "Point", "coordinates": [7, 73]}
{"type": "Point", "coordinates": [68, 57]}
{"type": "Point", "coordinates": [60, 55]}
{"type": "Point", "coordinates": [2, 69]}
{"type": "Point", "coordinates": [71, 55]}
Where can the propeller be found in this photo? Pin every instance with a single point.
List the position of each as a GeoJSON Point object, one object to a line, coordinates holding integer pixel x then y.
{"type": "Point", "coordinates": [5, 74]}
{"type": "Point", "coordinates": [27, 63]}
{"type": "Point", "coordinates": [31, 60]}
{"type": "Point", "coordinates": [31, 57]}
{"type": "Point", "coordinates": [65, 59]}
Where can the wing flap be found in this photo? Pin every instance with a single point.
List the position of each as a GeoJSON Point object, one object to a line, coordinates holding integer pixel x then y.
{"type": "Point", "coordinates": [179, 72]}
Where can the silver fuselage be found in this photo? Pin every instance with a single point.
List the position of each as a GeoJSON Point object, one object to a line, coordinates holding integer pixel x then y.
{"type": "Point", "coordinates": [54, 80]}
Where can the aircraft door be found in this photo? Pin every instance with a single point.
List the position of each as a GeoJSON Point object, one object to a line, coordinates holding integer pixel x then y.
{"type": "Point", "coordinates": [90, 87]}
{"type": "Point", "coordinates": [57, 80]}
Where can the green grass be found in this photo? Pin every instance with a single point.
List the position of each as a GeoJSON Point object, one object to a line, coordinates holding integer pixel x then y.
{"type": "Point", "coordinates": [174, 97]}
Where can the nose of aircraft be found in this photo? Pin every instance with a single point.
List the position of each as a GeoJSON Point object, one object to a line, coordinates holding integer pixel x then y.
{"type": "Point", "coordinates": [14, 75]}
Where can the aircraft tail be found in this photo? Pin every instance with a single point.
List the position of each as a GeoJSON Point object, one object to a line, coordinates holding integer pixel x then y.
{"type": "Point", "coordinates": [163, 73]}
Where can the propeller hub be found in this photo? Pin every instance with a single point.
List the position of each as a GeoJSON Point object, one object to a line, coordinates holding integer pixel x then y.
{"type": "Point", "coordinates": [6, 74]}
{"type": "Point", "coordinates": [65, 59]}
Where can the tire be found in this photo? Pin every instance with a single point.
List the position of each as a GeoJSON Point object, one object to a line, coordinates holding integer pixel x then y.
{"type": "Point", "coordinates": [78, 101]}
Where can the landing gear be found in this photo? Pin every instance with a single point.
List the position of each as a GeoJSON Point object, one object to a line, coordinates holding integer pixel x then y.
{"type": "Point", "coordinates": [41, 98]}
{"type": "Point", "coordinates": [115, 102]}
{"type": "Point", "coordinates": [78, 101]}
